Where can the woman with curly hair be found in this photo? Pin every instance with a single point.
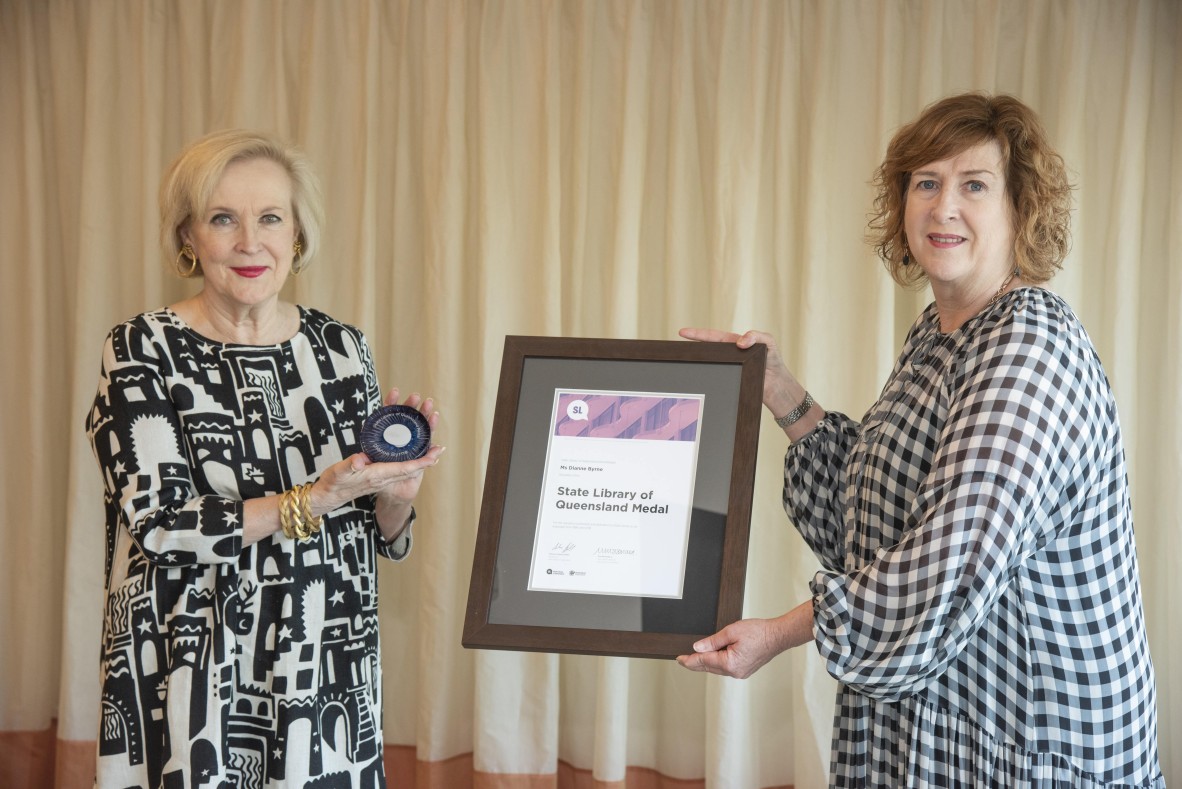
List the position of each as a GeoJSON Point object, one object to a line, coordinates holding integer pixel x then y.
{"type": "Point", "coordinates": [979, 602]}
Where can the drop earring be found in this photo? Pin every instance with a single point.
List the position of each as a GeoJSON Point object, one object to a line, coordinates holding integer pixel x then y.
{"type": "Point", "coordinates": [188, 253]}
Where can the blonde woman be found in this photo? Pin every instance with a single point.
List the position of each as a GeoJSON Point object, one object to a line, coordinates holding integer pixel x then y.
{"type": "Point", "coordinates": [240, 636]}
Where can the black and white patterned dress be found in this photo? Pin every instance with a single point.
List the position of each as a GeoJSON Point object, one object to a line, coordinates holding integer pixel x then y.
{"type": "Point", "coordinates": [980, 604]}
{"type": "Point", "coordinates": [225, 666]}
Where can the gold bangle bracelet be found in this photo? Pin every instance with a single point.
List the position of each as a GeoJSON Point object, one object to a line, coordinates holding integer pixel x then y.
{"type": "Point", "coordinates": [297, 506]}
{"type": "Point", "coordinates": [305, 497]}
{"type": "Point", "coordinates": [295, 513]}
{"type": "Point", "coordinates": [289, 515]}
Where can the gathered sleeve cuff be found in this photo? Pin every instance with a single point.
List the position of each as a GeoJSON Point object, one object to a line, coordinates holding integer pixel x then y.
{"type": "Point", "coordinates": [1013, 460]}
{"type": "Point", "coordinates": [136, 434]}
{"type": "Point", "coordinates": [814, 486]}
{"type": "Point", "coordinates": [889, 627]}
{"type": "Point", "coordinates": [398, 548]}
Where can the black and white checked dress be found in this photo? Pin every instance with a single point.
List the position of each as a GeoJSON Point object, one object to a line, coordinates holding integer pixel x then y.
{"type": "Point", "coordinates": [980, 604]}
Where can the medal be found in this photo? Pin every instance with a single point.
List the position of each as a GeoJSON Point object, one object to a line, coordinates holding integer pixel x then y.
{"type": "Point", "coordinates": [395, 433]}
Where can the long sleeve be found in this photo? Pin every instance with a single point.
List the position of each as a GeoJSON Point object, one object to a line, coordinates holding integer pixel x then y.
{"type": "Point", "coordinates": [398, 548]}
{"type": "Point", "coordinates": [816, 481]}
{"type": "Point", "coordinates": [814, 487]}
{"type": "Point", "coordinates": [136, 434]}
{"type": "Point", "coordinates": [1002, 434]}
{"type": "Point", "coordinates": [986, 626]}
{"type": "Point", "coordinates": [251, 642]}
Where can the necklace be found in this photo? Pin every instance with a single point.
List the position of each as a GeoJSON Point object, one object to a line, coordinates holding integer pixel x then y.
{"type": "Point", "coordinates": [1003, 287]}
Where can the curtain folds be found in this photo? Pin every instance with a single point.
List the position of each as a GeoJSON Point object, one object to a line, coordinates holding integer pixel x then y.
{"type": "Point", "coordinates": [602, 169]}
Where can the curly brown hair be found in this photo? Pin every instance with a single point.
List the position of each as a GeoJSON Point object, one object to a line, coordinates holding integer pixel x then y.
{"type": "Point", "coordinates": [1036, 180]}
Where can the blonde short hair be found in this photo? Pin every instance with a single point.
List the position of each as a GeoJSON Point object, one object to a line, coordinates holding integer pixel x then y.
{"type": "Point", "coordinates": [1036, 180]}
{"type": "Point", "coordinates": [190, 181]}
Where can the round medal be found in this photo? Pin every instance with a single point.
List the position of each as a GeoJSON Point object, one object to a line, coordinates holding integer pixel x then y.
{"type": "Point", "coordinates": [395, 433]}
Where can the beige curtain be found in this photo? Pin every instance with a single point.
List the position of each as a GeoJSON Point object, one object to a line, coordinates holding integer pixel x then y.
{"type": "Point", "coordinates": [586, 168]}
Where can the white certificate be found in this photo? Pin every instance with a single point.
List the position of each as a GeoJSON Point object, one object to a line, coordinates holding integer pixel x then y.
{"type": "Point", "coordinates": [617, 493]}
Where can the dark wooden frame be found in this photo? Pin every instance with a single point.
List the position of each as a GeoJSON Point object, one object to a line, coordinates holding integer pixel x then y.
{"type": "Point", "coordinates": [478, 631]}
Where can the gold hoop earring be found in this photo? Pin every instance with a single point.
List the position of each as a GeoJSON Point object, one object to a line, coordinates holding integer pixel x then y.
{"type": "Point", "coordinates": [298, 249]}
{"type": "Point", "coordinates": [187, 252]}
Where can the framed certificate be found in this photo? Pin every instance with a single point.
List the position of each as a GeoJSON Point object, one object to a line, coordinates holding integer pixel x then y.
{"type": "Point", "coordinates": [617, 497]}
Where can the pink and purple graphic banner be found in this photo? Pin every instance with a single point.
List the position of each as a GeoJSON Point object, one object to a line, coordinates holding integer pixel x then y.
{"type": "Point", "coordinates": [641, 417]}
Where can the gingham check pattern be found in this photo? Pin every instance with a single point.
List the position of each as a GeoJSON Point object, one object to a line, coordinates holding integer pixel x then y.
{"type": "Point", "coordinates": [980, 604]}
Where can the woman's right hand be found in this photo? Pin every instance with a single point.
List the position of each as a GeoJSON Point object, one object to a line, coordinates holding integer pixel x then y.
{"type": "Point", "coordinates": [357, 476]}
{"type": "Point", "coordinates": [781, 391]}
{"type": "Point", "coordinates": [741, 648]}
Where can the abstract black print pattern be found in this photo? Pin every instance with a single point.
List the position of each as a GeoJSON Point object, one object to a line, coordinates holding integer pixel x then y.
{"type": "Point", "coordinates": [224, 666]}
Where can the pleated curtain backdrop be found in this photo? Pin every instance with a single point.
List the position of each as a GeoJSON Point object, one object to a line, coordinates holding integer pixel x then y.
{"type": "Point", "coordinates": [613, 168]}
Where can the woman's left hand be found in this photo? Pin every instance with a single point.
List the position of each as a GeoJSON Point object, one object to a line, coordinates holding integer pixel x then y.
{"type": "Point", "coordinates": [401, 488]}
{"type": "Point", "coordinates": [781, 391]}
{"type": "Point", "coordinates": [741, 648]}
{"type": "Point", "coordinates": [738, 650]}
{"type": "Point", "coordinates": [394, 485]}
